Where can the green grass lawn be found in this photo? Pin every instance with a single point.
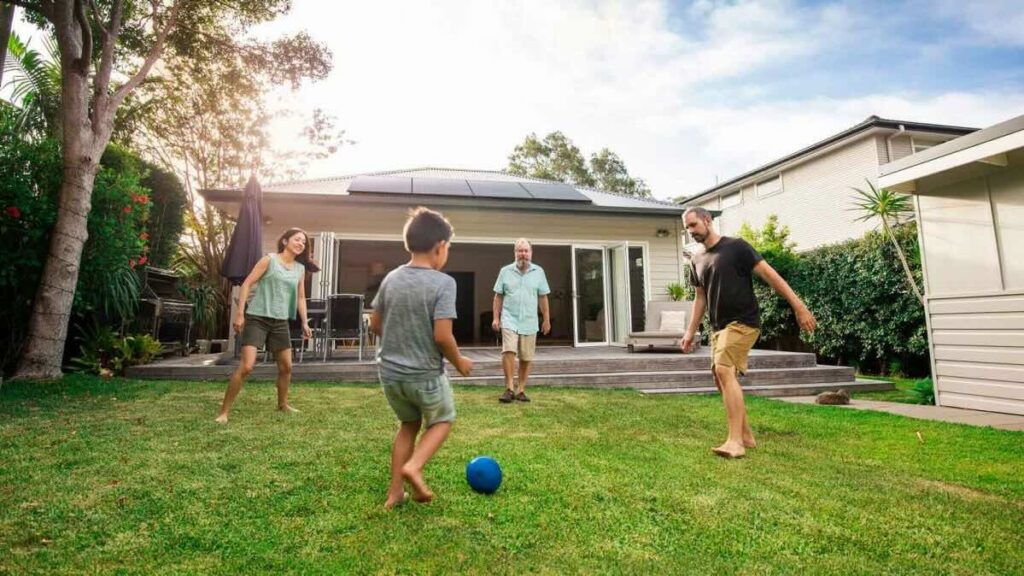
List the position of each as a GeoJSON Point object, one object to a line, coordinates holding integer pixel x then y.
{"type": "Point", "coordinates": [134, 477]}
{"type": "Point", "coordinates": [902, 391]}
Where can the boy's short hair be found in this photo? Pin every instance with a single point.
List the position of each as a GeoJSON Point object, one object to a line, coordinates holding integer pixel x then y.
{"type": "Point", "coordinates": [424, 229]}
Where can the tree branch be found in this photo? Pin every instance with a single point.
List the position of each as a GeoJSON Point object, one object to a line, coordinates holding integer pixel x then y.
{"type": "Point", "coordinates": [151, 58]}
{"type": "Point", "coordinates": [85, 59]}
{"type": "Point", "coordinates": [101, 84]}
{"type": "Point", "coordinates": [99, 19]}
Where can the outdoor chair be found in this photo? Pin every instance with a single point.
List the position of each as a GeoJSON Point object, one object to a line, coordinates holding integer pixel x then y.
{"type": "Point", "coordinates": [664, 325]}
{"type": "Point", "coordinates": [316, 312]}
{"type": "Point", "coordinates": [344, 322]}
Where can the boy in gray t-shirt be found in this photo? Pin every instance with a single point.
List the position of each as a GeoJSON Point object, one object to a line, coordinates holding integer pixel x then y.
{"type": "Point", "coordinates": [413, 314]}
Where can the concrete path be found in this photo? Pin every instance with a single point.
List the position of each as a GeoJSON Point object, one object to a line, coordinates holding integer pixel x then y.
{"type": "Point", "coordinates": [942, 414]}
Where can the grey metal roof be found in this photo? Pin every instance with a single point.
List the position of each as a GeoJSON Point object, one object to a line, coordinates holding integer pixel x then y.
{"type": "Point", "coordinates": [955, 145]}
{"type": "Point", "coordinates": [338, 188]}
{"type": "Point", "coordinates": [867, 124]}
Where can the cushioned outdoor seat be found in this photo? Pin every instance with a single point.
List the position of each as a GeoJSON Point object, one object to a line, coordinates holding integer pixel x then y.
{"type": "Point", "coordinates": [657, 335]}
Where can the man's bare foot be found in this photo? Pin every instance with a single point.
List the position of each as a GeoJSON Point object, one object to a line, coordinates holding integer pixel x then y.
{"type": "Point", "coordinates": [749, 442]}
{"type": "Point", "coordinates": [730, 450]}
{"type": "Point", "coordinates": [420, 491]}
{"type": "Point", "coordinates": [394, 502]}
{"type": "Point", "coordinates": [222, 419]}
{"type": "Point", "coordinates": [287, 409]}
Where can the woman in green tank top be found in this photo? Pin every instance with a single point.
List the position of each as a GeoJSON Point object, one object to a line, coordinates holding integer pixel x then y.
{"type": "Point", "coordinates": [280, 293]}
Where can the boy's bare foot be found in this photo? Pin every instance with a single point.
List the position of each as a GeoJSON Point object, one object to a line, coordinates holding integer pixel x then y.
{"type": "Point", "coordinates": [420, 491]}
{"type": "Point", "coordinates": [730, 450]}
{"type": "Point", "coordinates": [287, 409]}
{"type": "Point", "coordinates": [394, 502]}
{"type": "Point", "coordinates": [222, 419]}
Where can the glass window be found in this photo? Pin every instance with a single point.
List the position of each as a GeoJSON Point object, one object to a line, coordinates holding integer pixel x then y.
{"type": "Point", "coordinates": [734, 199]}
{"type": "Point", "coordinates": [769, 187]}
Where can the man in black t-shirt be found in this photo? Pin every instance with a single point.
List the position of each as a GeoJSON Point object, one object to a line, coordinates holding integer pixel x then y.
{"type": "Point", "coordinates": [723, 278]}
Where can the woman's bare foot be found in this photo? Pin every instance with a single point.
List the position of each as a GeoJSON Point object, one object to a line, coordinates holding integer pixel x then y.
{"type": "Point", "coordinates": [420, 491]}
{"type": "Point", "coordinates": [287, 409]}
{"type": "Point", "coordinates": [222, 419]}
{"type": "Point", "coordinates": [730, 450]}
{"type": "Point", "coordinates": [396, 501]}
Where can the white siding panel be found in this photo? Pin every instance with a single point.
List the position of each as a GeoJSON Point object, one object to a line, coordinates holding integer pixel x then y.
{"type": "Point", "coordinates": [984, 354]}
{"type": "Point", "coordinates": [957, 228]}
{"type": "Point", "coordinates": [978, 351]}
{"type": "Point", "coordinates": [1007, 190]}
{"type": "Point", "coordinates": [973, 402]}
{"type": "Point", "coordinates": [977, 305]}
{"type": "Point", "coordinates": [1008, 390]}
{"type": "Point", "coordinates": [1008, 374]}
{"type": "Point", "coordinates": [1007, 338]}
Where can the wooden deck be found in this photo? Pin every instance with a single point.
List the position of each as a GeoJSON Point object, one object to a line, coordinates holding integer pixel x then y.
{"type": "Point", "coordinates": [771, 373]}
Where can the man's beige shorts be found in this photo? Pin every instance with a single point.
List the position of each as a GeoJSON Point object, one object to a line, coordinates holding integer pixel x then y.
{"type": "Point", "coordinates": [731, 346]}
{"type": "Point", "coordinates": [524, 345]}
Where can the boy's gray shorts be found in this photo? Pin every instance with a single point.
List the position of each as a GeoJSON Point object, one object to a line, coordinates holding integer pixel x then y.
{"type": "Point", "coordinates": [430, 400]}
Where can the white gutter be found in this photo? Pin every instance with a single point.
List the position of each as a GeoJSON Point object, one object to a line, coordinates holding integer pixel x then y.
{"type": "Point", "coordinates": [888, 141]}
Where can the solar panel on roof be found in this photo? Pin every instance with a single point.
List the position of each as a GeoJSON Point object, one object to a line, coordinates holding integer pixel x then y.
{"type": "Point", "coordinates": [554, 191]}
{"type": "Point", "coordinates": [381, 185]}
{"type": "Point", "coordinates": [486, 189]}
{"type": "Point", "coordinates": [441, 187]}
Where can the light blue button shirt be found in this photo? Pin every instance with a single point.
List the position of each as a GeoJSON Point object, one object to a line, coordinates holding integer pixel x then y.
{"type": "Point", "coordinates": [520, 292]}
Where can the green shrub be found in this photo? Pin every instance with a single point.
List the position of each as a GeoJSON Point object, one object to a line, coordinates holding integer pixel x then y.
{"type": "Point", "coordinates": [924, 391]}
{"type": "Point", "coordinates": [867, 316]}
{"type": "Point", "coordinates": [30, 179]}
{"type": "Point", "coordinates": [677, 291]}
{"type": "Point", "coordinates": [105, 353]}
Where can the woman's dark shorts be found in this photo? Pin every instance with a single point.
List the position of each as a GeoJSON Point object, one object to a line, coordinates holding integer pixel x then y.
{"type": "Point", "coordinates": [260, 330]}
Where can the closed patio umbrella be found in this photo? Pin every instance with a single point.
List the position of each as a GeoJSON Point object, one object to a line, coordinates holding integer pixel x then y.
{"type": "Point", "coordinates": [246, 245]}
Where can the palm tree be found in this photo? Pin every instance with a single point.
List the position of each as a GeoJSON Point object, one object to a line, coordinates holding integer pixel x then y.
{"type": "Point", "coordinates": [35, 85]}
{"type": "Point", "coordinates": [889, 207]}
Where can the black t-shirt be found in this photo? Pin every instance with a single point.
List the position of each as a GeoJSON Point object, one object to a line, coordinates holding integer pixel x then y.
{"type": "Point", "coordinates": [725, 273]}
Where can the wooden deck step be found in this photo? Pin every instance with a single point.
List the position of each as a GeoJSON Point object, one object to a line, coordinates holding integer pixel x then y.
{"type": "Point", "coordinates": [674, 379]}
{"type": "Point", "coordinates": [859, 385]}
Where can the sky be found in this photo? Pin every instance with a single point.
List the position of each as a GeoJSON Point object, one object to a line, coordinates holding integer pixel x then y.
{"type": "Point", "coordinates": [687, 93]}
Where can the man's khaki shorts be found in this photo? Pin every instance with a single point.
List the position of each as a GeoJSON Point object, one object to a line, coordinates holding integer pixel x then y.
{"type": "Point", "coordinates": [524, 345]}
{"type": "Point", "coordinates": [731, 346]}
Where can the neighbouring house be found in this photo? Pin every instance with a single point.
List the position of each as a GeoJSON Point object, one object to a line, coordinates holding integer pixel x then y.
{"type": "Point", "coordinates": [811, 189]}
{"type": "Point", "coordinates": [969, 197]}
{"type": "Point", "coordinates": [605, 254]}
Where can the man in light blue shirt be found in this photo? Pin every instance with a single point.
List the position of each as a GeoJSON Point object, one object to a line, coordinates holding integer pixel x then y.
{"type": "Point", "coordinates": [521, 288]}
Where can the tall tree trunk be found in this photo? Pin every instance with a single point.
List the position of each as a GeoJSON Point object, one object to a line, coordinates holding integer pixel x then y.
{"type": "Point", "coordinates": [51, 309]}
{"type": "Point", "coordinates": [6, 22]}
{"type": "Point", "coordinates": [903, 261]}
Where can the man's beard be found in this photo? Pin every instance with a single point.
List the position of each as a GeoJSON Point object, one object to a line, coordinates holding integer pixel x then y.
{"type": "Point", "coordinates": [698, 237]}
{"type": "Point", "coordinates": [522, 262]}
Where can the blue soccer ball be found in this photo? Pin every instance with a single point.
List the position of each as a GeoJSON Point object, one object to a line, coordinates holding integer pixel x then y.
{"type": "Point", "coordinates": [483, 474]}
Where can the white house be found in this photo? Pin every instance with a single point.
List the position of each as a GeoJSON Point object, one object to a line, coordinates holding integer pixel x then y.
{"type": "Point", "coordinates": [810, 189]}
{"type": "Point", "coordinates": [605, 254]}
{"type": "Point", "coordinates": [969, 196]}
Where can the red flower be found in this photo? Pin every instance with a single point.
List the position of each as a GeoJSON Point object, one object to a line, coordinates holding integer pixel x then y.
{"type": "Point", "coordinates": [13, 212]}
{"type": "Point", "coordinates": [143, 260]}
{"type": "Point", "coordinates": [127, 209]}
{"type": "Point", "coordinates": [144, 236]}
{"type": "Point", "coordinates": [142, 199]}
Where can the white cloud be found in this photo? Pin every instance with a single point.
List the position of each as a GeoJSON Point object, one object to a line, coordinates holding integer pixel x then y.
{"type": "Point", "coordinates": [460, 83]}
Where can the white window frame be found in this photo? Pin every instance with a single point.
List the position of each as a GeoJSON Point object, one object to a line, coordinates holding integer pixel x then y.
{"type": "Point", "coordinates": [760, 194]}
{"type": "Point", "coordinates": [739, 200]}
